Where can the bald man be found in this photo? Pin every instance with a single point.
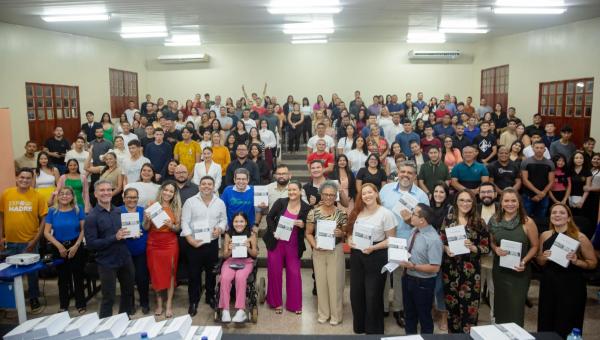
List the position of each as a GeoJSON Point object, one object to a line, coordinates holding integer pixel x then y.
{"type": "Point", "coordinates": [186, 188]}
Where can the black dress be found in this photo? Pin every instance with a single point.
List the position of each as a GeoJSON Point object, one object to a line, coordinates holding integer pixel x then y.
{"type": "Point", "coordinates": [562, 296]}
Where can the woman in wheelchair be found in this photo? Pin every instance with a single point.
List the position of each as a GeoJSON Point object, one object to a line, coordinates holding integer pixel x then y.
{"type": "Point", "coordinates": [238, 265]}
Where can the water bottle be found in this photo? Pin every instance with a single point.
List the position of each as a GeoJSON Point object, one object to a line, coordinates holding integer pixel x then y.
{"type": "Point", "coordinates": [144, 336]}
{"type": "Point", "coordinates": [575, 334]}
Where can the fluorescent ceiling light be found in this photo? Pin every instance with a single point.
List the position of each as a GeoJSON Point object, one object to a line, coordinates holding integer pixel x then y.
{"type": "Point", "coordinates": [309, 36]}
{"type": "Point", "coordinates": [144, 35]}
{"type": "Point", "coordinates": [143, 29]}
{"type": "Point", "coordinates": [530, 3]}
{"type": "Point", "coordinates": [79, 17]}
{"type": "Point", "coordinates": [310, 41]}
{"type": "Point", "coordinates": [426, 38]}
{"type": "Point", "coordinates": [528, 10]}
{"type": "Point", "coordinates": [309, 31]}
{"type": "Point", "coordinates": [304, 10]}
{"type": "Point", "coordinates": [75, 10]}
{"type": "Point", "coordinates": [464, 30]}
{"type": "Point", "coordinates": [314, 27]}
{"type": "Point", "coordinates": [183, 40]}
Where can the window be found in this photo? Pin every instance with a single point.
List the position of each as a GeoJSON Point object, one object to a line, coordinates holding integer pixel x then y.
{"type": "Point", "coordinates": [567, 98]}
{"type": "Point", "coordinates": [123, 88]}
{"type": "Point", "coordinates": [494, 85]}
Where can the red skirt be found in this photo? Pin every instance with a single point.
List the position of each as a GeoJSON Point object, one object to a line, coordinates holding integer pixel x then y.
{"type": "Point", "coordinates": [162, 254]}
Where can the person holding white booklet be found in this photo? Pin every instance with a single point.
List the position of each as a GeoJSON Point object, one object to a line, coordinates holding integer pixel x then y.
{"type": "Point", "coordinates": [511, 225]}
{"type": "Point", "coordinates": [369, 226]}
{"type": "Point", "coordinates": [466, 240]}
{"type": "Point", "coordinates": [325, 232]}
{"type": "Point", "coordinates": [238, 236]}
{"type": "Point", "coordinates": [563, 291]}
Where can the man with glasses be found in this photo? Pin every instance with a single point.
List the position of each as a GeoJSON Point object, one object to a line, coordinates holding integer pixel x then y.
{"type": "Point", "coordinates": [22, 215]}
{"type": "Point", "coordinates": [137, 249]}
{"type": "Point", "coordinates": [390, 194]}
{"type": "Point", "coordinates": [242, 161]}
{"type": "Point", "coordinates": [240, 198]}
{"type": "Point", "coordinates": [487, 208]}
{"type": "Point", "coordinates": [276, 190]}
{"type": "Point", "coordinates": [504, 173]}
{"type": "Point", "coordinates": [203, 209]}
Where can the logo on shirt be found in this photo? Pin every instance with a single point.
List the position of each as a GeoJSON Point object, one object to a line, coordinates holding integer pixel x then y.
{"type": "Point", "coordinates": [485, 145]}
{"type": "Point", "coordinates": [20, 206]}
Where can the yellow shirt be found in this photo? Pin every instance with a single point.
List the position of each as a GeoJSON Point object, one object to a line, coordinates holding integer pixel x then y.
{"type": "Point", "coordinates": [22, 214]}
{"type": "Point", "coordinates": [222, 157]}
{"type": "Point", "coordinates": [186, 154]}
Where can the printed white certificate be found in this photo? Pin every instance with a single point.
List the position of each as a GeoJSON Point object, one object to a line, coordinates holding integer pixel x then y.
{"type": "Point", "coordinates": [362, 235]}
{"type": "Point", "coordinates": [284, 228]}
{"type": "Point", "coordinates": [562, 246]}
{"type": "Point", "coordinates": [157, 215]}
{"type": "Point", "coordinates": [456, 237]}
{"type": "Point", "coordinates": [513, 259]}
{"type": "Point", "coordinates": [325, 234]}
{"type": "Point", "coordinates": [261, 195]}
{"type": "Point", "coordinates": [397, 251]}
{"type": "Point", "coordinates": [239, 249]}
{"type": "Point", "coordinates": [131, 222]}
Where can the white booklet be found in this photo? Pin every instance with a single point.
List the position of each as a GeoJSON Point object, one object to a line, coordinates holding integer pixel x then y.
{"type": "Point", "coordinates": [397, 251]}
{"type": "Point", "coordinates": [131, 222]}
{"type": "Point", "coordinates": [405, 202]}
{"type": "Point", "coordinates": [456, 237]}
{"type": "Point", "coordinates": [284, 228]}
{"type": "Point", "coordinates": [239, 249]}
{"type": "Point", "coordinates": [157, 215]}
{"type": "Point", "coordinates": [325, 234]}
{"type": "Point", "coordinates": [513, 258]}
{"type": "Point", "coordinates": [202, 231]}
{"type": "Point", "coordinates": [261, 195]}
{"type": "Point", "coordinates": [362, 235]}
{"type": "Point", "coordinates": [562, 246]}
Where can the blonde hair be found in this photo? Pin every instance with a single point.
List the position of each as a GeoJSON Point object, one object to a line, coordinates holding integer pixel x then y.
{"type": "Point", "coordinates": [175, 204]}
{"type": "Point", "coordinates": [73, 204]}
{"type": "Point", "coordinates": [572, 229]}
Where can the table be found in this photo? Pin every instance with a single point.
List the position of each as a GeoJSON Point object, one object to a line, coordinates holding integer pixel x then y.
{"type": "Point", "coordinates": [15, 274]}
{"type": "Point", "coordinates": [539, 336]}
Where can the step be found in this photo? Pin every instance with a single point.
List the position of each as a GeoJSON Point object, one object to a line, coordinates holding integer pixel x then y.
{"type": "Point", "coordinates": [299, 156]}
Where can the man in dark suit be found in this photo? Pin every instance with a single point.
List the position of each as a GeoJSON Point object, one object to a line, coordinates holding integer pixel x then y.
{"type": "Point", "coordinates": [90, 127]}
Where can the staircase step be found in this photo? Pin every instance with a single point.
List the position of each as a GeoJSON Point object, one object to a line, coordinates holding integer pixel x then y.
{"type": "Point", "coordinates": [287, 156]}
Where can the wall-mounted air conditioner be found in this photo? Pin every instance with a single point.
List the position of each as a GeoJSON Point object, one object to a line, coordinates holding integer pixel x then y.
{"type": "Point", "coordinates": [433, 55]}
{"type": "Point", "coordinates": [183, 58]}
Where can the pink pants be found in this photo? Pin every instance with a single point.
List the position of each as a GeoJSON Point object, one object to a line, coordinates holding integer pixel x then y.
{"type": "Point", "coordinates": [240, 276]}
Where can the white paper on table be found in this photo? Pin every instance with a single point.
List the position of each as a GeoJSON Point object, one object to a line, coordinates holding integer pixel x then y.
{"type": "Point", "coordinates": [131, 222]}
{"type": "Point", "coordinates": [562, 246]}
{"type": "Point", "coordinates": [513, 258]}
{"type": "Point", "coordinates": [325, 234]}
{"type": "Point", "coordinates": [284, 228]}
{"type": "Point", "coordinates": [261, 195]}
{"type": "Point", "coordinates": [397, 251]}
{"type": "Point", "coordinates": [202, 231]}
{"type": "Point", "coordinates": [405, 202]}
{"type": "Point", "coordinates": [456, 237]}
{"type": "Point", "coordinates": [238, 244]}
{"type": "Point", "coordinates": [157, 215]}
{"type": "Point", "coordinates": [404, 337]}
{"type": "Point", "coordinates": [362, 235]}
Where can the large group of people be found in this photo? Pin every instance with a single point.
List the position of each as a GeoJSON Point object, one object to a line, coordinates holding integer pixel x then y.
{"type": "Point", "coordinates": [414, 170]}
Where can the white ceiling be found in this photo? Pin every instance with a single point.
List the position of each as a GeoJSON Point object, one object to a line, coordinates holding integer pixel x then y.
{"type": "Point", "coordinates": [247, 21]}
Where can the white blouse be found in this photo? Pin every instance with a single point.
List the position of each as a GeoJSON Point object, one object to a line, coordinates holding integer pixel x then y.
{"type": "Point", "coordinates": [146, 192]}
{"type": "Point", "coordinates": [214, 171]}
{"type": "Point", "coordinates": [357, 160]}
{"type": "Point", "coordinates": [268, 137]}
{"type": "Point", "coordinates": [382, 221]}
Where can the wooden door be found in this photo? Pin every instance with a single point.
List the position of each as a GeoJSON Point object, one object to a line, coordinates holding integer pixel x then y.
{"type": "Point", "coordinates": [494, 86]}
{"type": "Point", "coordinates": [568, 102]}
{"type": "Point", "coordinates": [49, 106]}
{"type": "Point", "coordinates": [123, 88]}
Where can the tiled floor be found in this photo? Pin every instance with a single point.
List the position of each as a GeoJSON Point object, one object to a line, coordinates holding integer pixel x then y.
{"type": "Point", "coordinates": [289, 323]}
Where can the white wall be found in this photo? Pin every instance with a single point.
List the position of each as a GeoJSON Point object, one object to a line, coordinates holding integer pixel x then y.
{"type": "Point", "coordinates": [557, 53]}
{"type": "Point", "coordinates": [309, 70]}
{"type": "Point", "coordinates": [34, 55]}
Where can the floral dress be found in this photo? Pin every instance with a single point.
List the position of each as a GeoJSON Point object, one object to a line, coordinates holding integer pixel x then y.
{"type": "Point", "coordinates": [461, 275]}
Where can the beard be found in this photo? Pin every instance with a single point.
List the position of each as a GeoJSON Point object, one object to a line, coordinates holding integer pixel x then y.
{"type": "Point", "coordinates": [487, 201]}
{"type": "Point", "coordinates": [283, 181]}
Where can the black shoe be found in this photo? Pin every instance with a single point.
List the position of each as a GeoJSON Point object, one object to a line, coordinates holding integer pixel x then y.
{"type": "Point", "coordinates": [386, 314]}
{"type": "Point", "coordinates": [211, 302]}
{"type": "Point", "coordinates": [528, 303]}
{"type": "Point", "coordinates": [193, 309]}
{"type": "Point", "coordinates": [399, 316]}
{"type": "Point", "coordinates": [145, 310]}
{"type": "Point", "coordinates": [35, 305]}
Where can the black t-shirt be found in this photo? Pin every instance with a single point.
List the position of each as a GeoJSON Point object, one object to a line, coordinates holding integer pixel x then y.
{"type": "Point", "coordinates": [578, 181]}
{"type": "Point", "coordinates": [537, 172]}
{"type": "Point", "coordinates": [366, 177]}
{"type": "Point", "coordinates": [60, 146]}
{"type": "Point", "coordinates": [485, 145]}
{"type": "Point", "coordinates": [145, 141]}
{"type": "Point", "coordinates": [504, 176]}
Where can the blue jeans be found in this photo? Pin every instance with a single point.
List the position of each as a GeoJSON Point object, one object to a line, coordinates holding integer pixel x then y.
{"type": "Point", "coordinates": [440, 297]}
{"type": "Point", "coordinates": [536, 209]}
{"type": "Point", "coordinates": [13, 248]}
{"type": "Point", "coordinates": [418, 298]}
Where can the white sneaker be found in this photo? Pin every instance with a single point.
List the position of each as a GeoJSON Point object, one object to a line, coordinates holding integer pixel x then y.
{"type": "Point", "coordinates": [240, 316]}
{"type": "Point", "coordinates": [225, 317]}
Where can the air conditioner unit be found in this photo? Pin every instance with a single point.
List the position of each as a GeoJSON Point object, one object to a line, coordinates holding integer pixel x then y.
{"type": "Point", "coordinates": [183, 58]}
{"type": "Point", "coordinates": [433, 55]}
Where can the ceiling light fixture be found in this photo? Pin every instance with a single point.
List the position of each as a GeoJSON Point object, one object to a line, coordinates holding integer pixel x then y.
{"type": "Point", "coordinates": [463, 30]}
{"type": "Point", "coordinates": [304, 7]}
{"type": "Point", "coordinates": [144, 35]}
{"type": "Point", "coordinates": [309, 41]}
{"type": "Point", "coordinates": [426, 38]}
{"type": "Point", "coordinates": [79, 17]}
{"type": "Point", "coordinates": [314, 27]}
{"type": "Point", "coordinates": [183, 40]}
{"type": "Point", "coordinates": [530, 3]}
{"type": "Point", "coordinates": [134, 32]}
{"type": "Point", "coordinates": [528, 10]}
{"type": "Point", "coordinates": [309, 36]}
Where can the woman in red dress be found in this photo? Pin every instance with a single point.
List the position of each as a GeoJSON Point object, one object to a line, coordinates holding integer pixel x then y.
{"type": "Point", "coordinates": [163, 250]}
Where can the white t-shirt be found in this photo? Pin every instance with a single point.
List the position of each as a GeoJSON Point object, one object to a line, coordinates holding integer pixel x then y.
{"type": "Point", "coordinates": [128, 138]}
{"type": "Point", "coordinates": [345, 144]}
{"type": "Point", "coordinates": [390, 132]}
{"type": "Point", "coordinates": [381, 221]}
{"type": "Point", "coordinates": [357, 160]}
{"type": "Point", "coordinates": [129, 113]}
{"type": "Point", "coordinates": [80, 157]}
{"type": "Point", "coordinates": [528, 152]}
{"type": "Point", "coordinates": [384, 121]}
{"type": "Point", "coordinates": [131, 168]}
{"type": "Point", "coordinates": [249, 124]}
{"type": "Point", "coordinates": [146, 192]}
{"type": "Point", "coordinates": [329, 142]}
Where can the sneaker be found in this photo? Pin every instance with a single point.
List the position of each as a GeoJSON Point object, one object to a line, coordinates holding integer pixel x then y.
{"type": "Point", "coordinates": [334, 323]}
{"type": "Point", "coordinates": [240, 316]}
{"type": "Point", "coordinates": [34, 304]}
{"type": "Point", "coordinates": [225, 317]}
{"type": "Point", "coordinates": [321, 320]}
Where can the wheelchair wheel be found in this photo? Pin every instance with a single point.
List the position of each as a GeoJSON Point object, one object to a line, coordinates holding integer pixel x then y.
{"type": "Point", "coordinates": [254, 314]}
{"type": "Point", "coordinates": [262, 290]}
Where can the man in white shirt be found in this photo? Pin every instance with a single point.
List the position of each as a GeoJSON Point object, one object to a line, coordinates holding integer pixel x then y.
{"type": "Point", "coordinates": [217, 105]}
{"type": "Point", "coordinates": [528, 151]}
{"type": "Point", "coordinates": [224, 119]}
{"type": "Point", "coordinates": [78, 153]}
{"type": "Point", "coordinates": [131, 110]}
{"type": "Point", "coordinates": [391, 130]}
{"type": "Point", "coordinates": [312, 142]}
{"type": "Point", "coordinates": [133, 165]}
{"type": "Point", "coordinates": [204, 210]}
{"type": "Point", "coordinates": [127, 135]}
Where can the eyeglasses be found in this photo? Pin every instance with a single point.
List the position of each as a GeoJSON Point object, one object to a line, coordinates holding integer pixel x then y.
{"type": "Point", "coordinates": [131, 197]}
{"type": "Point", "coordinates": [328, 195]}
{"type": "Point", "coordinates": [65, 194]}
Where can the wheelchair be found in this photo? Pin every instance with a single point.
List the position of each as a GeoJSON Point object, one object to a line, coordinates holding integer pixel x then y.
{"type": "Point", "coordinates": [255, 293]}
